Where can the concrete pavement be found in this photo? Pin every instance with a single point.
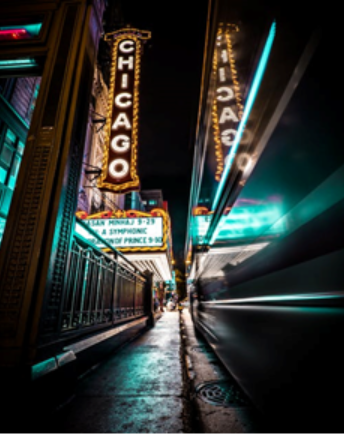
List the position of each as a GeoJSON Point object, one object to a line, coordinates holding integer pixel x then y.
{"type": "Point", "coordinates": [203, 366]}
{"type": "Point", "coordinates": [137, 390]}
{"type": "Point", "coordinates": [140, 388]}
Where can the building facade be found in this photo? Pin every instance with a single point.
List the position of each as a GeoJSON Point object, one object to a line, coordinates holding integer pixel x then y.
{"type": "Point", "coordinates": [48, 52]}
{"type": "Point", "coordinates": [18, 98]}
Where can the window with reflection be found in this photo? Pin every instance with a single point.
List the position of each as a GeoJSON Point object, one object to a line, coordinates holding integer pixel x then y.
{"type": "Point", "coordinates": [17, 102]}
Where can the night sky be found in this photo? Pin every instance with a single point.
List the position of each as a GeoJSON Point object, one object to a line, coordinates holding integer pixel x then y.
{"type": "Point", "coordinates": [169, 96]}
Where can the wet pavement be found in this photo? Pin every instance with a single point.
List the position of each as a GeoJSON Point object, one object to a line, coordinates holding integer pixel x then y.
{"type": "Point", "coordinates": [137, 390]}
{"type": "Point", "coordinates": [227, 410]}
{"type": "Point", "coordinates": [151, 385]}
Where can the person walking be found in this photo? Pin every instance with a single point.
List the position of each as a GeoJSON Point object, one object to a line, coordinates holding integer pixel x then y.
{"type": "Point", "coordinates": [161, 295]}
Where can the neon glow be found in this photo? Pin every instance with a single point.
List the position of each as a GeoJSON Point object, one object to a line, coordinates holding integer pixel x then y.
{"type": "Point", "coordinates": [227, 108]}
{"type": "Point", "coordinates": [228, 115]}
{"type": "Point", "coordinates": [119, 162]}
{"type": "Point", "coordinates": [243, 222]}
{"type": "Point", "coordinates": [2, 227]}
{"type": "Point", "coordinates": [126, 46]}
{"type": "Point", "coordinates": [120, 143]}
{"type": "Point", "coordinates": [17, 63]}
{"type": "Point", "coordinates": [123, 104]}
{"type": "Point", "coordinates": [121, 121]}
{"type": "Point", "coordinates": [124, 81]}
{"type": "Point", "coordinates": [280, 298]}
{"type": "Point", "coordinates": [27, 31]}
{"type": "Point", "coordinates": [248, 106]}
{"type": "Point", "coordinates": [229, 93]}
{"type": "Point", "coordinates": [14, 34]}
{"type": "Point", "coordinates": [119, 168]}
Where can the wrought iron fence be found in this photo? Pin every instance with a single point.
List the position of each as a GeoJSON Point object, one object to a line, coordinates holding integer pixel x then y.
{"type": "Point", "coordinates": [102, 288]}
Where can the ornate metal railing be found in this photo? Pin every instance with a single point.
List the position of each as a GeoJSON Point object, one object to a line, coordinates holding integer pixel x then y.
{"type": "Point", "coordinates": [102, 288]}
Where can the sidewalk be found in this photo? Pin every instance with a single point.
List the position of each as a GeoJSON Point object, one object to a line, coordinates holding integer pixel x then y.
{"type": "Point", "coordinates": [202, 367]}
{"type": "Point", "coordinates": [137, 390]}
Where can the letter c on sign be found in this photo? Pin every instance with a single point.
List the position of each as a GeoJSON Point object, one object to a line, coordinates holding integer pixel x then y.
{"type": "Point", "coordinates": [124, 144]}
{"type": "Point", "coordinates": [126, 46]}
{"type": "Point", "coordinates": [118, 168]}
{"type": "Point", "coordinates": [123, 104]}
{"type": "Point", "coordinates": [229, 92]}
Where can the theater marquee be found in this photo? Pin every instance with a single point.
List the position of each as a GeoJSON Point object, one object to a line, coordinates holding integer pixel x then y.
{"type": "Point", "coordinates": [119, 165]}
{"type": "Point", "coordinates": [127, 233]}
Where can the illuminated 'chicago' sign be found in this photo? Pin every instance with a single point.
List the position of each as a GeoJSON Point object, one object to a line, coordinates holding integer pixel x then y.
{"type": "Point", "coordinates": [119, 165]}
{"type": "Point", "coordinates": [227, 105]}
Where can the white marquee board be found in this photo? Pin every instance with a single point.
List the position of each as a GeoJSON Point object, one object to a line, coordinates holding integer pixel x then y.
{"type": "Point", "coordinates": [125, 232]}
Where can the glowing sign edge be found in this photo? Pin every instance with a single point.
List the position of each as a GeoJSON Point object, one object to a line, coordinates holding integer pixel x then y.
{"type": "Point", "coordinates": [248, 106]}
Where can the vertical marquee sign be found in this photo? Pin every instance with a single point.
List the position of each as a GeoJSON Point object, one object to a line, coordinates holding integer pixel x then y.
{"type": "Point", "coordinates": [119, 165]}
{"type": "Point", "coordinates": [227, 105]}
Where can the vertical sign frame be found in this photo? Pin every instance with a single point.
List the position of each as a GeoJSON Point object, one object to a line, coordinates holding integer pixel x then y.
{"type": "Point", "coordinates": [227, 109]}
{"type": "Point", "coordinates": [119, 164]}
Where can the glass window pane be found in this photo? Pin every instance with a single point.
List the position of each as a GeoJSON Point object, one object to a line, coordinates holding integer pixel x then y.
{"type": "Point", "coordinates": [21, 147]}
{"type": "Point", "coordinates": [6, 201]}
{"type": "Point", "coordinates": [10, 137]}
{"type": "Point", "coordinates": [6, 155]}
{"type": "Point", "coordinates": [2, 227]}
{"type": "Point", "coordinates": [14, 172]}
{"type": "Point", "coordinates": [3, 175]}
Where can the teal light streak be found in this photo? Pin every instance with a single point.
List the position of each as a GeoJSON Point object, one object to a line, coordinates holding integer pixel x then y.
{"type": "Point", "coordinates": [249, 222]}
{"type": "Point", "coordinates": [248, 106]}
{"type": "Point", "coordinates": [17, 63]}
{"type": "Point", "coordinates": [278, 298]}
{"type": "Point", "coordinates": [242, 222]}
{"type": "Point", "coordinates": [43, 368]}
{"type": "Point", "coordinates": [34, 29]}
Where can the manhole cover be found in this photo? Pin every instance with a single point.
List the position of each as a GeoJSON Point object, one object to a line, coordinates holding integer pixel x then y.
{"type": "Point", "coordinates": [221, 393]}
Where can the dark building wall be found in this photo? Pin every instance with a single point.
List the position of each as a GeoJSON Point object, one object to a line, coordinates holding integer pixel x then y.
{"type": "Point", "coordinates": [24, 96]}
{"type": "Point", "coordinates": [47, 184]}
{"type": "Point", "coordinates": [152, 199]}
{"type": "Point", "coordinates": [18, 102]}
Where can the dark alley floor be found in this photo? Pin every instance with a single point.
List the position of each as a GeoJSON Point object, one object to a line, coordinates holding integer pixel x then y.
{"type": "Point", "coordinates": [137, 390]}
{"type": "Point", "coordinates": [151, 385]}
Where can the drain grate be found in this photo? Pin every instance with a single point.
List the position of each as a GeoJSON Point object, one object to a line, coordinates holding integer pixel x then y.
{"type": "Point", "coordinates": [199, 349]}
{"type": "Point", "coordinates": [221, 393]}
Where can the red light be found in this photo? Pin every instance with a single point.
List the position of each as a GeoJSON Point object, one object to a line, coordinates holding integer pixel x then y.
{"type": "Point", "coordinates": [14, 34]}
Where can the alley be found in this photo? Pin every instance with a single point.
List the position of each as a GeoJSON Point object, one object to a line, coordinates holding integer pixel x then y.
{"type": "Point", "coordinates": [138, 389]}
{"type": "Point", "coordinates": [171, 217]}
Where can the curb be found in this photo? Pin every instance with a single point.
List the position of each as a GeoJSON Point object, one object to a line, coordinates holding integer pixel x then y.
{"type": "Point", "coordinates": [192, 418]}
